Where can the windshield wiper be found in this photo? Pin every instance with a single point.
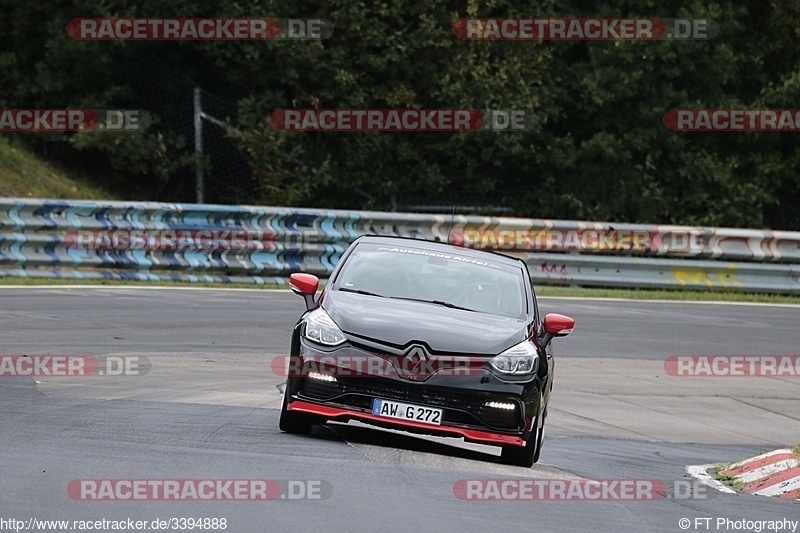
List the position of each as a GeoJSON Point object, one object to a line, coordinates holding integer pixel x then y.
{"type": "Point", "coordinates": [359, 291]}
{"type": "Point", "coordinates": [437, 302]}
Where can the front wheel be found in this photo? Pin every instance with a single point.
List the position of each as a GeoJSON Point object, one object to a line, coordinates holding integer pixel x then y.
{"type": "Point", "coordinates": [526, 455]}
{"type": "Point", "coordinates": [297, 423]}
{"type": "Point", "coordinates": [539, 442]}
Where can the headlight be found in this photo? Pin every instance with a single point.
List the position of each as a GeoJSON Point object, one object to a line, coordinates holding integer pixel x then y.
{"type": "Point", "coordinates": [320, 328]}
{"type": "Point", "coordinates": [520, 359]}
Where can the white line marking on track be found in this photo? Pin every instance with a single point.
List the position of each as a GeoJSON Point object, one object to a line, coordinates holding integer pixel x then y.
{"type": "Point", "coordinates": [700, 472]}
{"type": "Point", "coordinates": [286, 290]}
{"type": "Point", "coordinates": [676, 301]}
{"type": "Point", "coordinates": [150, 288]}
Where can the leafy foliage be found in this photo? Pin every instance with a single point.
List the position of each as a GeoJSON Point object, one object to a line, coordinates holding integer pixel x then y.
{"type": "Point", "coordinates": [600, 150]}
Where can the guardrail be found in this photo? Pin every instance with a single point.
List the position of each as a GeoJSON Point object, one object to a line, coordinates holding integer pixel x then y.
{"type": "Point", "coordinates": [603, 271]}
{"type": "Point", "coordinates": [187, 242]}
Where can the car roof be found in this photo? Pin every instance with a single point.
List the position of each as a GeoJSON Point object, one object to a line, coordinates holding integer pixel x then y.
{"type": "Point", "coordinates": [438, 246]}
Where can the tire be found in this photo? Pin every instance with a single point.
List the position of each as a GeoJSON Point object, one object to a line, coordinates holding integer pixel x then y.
{"type": "Point", "coordinates": [523, 456]}
{"type": "Point", "coordinates": [529, 454]}
{"type": "Point", "coordinates": [296, 423]}
{"type": "Point", "coordinates": [540, 440]}
{"type": "Point", "coordinates": [541, 433]}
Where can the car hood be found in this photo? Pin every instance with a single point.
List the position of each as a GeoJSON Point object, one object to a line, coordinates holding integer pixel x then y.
{"type": "Point", "coordinates": [400, 322]}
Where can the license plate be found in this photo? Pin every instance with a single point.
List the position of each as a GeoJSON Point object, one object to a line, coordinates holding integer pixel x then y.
{"type": "Point", "coordinates": [406, 411]}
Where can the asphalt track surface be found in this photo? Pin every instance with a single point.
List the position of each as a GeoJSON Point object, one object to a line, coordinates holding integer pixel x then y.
{"type": "Point", "coordinates": [207, 409]}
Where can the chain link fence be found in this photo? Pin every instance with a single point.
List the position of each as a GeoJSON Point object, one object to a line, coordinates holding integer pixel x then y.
{"type": "Point", "coordinates": [227, 174]}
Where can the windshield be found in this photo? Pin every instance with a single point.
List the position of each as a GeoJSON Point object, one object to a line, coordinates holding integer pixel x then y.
{"type": "Point", "coordinates": [442, 278]}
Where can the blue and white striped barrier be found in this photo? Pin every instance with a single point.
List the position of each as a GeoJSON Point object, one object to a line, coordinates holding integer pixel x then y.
{"type": "Point", "coordinates": [212, 243]}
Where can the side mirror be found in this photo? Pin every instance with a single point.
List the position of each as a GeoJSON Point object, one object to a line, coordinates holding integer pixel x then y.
{"type": "Point", "coordinates": [555, 325]}
{"type": "Point", "coordinates": [305, 285]}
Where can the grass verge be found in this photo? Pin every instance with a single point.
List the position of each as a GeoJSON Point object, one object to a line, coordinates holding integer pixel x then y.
{"type": "Point", "coordinates": [24, 175]}
{"type": "Point", "coordinates": [728, 480]}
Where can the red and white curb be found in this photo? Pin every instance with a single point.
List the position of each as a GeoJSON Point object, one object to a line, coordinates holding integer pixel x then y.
{"type": "Point", "coordinates": [776, 473]}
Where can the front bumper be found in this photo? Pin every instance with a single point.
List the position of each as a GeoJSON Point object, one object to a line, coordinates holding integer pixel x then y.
{"type": "Point", "coordinates": [463, 398]}
{"type": "Point", "coordinates": [340, 414]}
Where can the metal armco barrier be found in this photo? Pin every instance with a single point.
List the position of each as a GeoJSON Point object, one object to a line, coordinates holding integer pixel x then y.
{"type": "Point", "coordinates": [210, 243]}
{"type": "Point", "coordinates": [604, 271]}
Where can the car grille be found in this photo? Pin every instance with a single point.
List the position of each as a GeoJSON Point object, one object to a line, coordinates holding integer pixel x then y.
{"type": "Point", "coordinates": [459, 408]}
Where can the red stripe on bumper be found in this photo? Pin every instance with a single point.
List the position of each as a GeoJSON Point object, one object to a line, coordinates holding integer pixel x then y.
{"type": "Point", "coordinates": [472, 435]}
